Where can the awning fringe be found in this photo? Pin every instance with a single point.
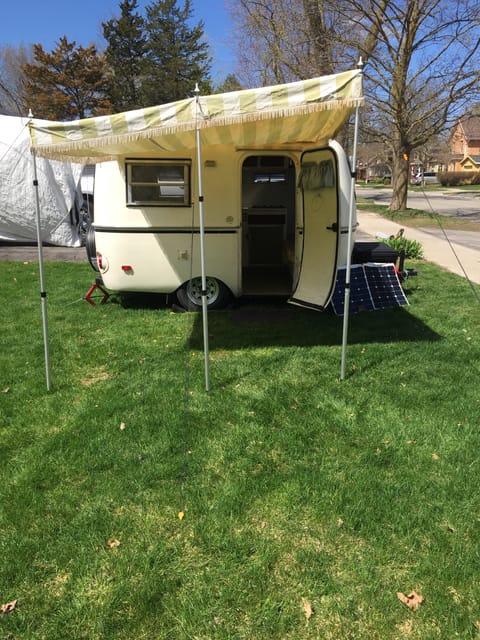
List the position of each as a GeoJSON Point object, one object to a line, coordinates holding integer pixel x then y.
{"type": "Point", "coordinates": [59, 150]}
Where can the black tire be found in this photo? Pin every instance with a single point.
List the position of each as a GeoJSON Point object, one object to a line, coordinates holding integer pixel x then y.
{"type": "Point", "coordinates": [189, 295]}
{"type": "Point", "coordinates": [91, 248]}
{"type": "Point", "coordinates": [85, 216]}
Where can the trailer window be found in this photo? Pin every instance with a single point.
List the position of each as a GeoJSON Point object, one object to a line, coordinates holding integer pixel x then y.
{"type": "Point", "coordinates": [158, 182]}
{"type": "Point", "coordinates": [262, 178]}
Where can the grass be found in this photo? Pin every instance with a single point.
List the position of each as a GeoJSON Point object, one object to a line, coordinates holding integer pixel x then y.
{"type": "Point", "coordinates": [419, 217]}
{"type": "Point", "coordinates": [295, 487]}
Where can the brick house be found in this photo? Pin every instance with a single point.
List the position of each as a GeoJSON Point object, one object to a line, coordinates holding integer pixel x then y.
{"type": "Point", "coordinates": [465, 145]}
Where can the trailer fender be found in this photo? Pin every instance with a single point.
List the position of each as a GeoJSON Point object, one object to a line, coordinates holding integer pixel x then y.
{"type": "Point", "coordinates": [91, 248]}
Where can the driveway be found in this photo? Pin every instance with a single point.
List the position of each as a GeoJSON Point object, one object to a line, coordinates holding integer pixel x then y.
{"type": "Point", "coordinates": [29, 253]}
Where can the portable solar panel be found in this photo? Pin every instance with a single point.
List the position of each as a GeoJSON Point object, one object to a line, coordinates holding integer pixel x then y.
{"type": "Point", "coordinates": [384, 285]}
{"type": "Point", "coordinates": [373, 286]}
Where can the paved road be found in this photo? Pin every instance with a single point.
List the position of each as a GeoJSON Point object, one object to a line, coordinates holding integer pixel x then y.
{"type": "Point", "coordinates": [461, 204]}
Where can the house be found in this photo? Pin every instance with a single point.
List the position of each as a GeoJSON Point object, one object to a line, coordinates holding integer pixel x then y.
{"type": "Point", "coordinates": [373, 162]}
{"type": "Point", "coordinates": [465, 145]}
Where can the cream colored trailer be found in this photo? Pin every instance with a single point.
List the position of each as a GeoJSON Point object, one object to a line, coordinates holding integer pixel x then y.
{"type": "Point", "coordinates": [239, 193]}
{"type": "Point", "coordinates": [276, 223]}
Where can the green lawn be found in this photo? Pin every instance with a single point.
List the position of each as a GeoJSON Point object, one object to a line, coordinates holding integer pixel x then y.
{"type": "Point", "coordinates": [308, 502]}
{"type": "Point", "coordinates": [421, 217]}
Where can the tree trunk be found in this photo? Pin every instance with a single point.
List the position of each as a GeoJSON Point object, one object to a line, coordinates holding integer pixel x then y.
{"type": "Point", "coordinates": [400, 167]}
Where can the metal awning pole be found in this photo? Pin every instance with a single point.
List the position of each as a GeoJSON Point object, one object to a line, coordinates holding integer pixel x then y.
{"type": "Point", "coordinates": [346, 306]}
{"type": "Point", "coordinates": [43, 293]}
{"type": "Point", "coordinates": [202, 246]}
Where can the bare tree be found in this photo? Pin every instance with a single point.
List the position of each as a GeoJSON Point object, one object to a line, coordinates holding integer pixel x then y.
{"type": "Point", "coordinates": [11, 79]}
{"type": "Point", "coordinates": [285, 40]}
{"type": "Point", "coordinates": [422, 67]}
{"type": "Point", "coordinates": [422, 70]}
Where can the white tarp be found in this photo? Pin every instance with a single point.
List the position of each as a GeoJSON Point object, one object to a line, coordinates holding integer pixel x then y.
{"type": "Point", "coordinates": [58, 190]}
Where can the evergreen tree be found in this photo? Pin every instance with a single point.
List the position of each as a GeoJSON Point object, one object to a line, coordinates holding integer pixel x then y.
{"type": "Point", "coordinates": [230, 83]}
{"type": "Point", "coordinates": [124, 53]}
{"type": "Point", "coordinates": [178, 55]}
{"type": "Point", "coordinates": [68, 83]}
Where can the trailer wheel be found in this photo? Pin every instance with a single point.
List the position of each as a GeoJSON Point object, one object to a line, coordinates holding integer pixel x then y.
{"type": "Point", "coordinates": [91, 248]}
{"type": "Point", "coordinates": [189, 295]}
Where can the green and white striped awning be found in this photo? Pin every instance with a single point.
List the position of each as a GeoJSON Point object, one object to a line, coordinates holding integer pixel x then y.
{"type": "Point", "coordinates": [307, 111]}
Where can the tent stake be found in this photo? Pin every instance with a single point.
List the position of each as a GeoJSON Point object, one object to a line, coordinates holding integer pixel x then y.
{"type": "Point", "coordinates": [43, 293]}
{"type": "Point", "coordinates": [346, 306]}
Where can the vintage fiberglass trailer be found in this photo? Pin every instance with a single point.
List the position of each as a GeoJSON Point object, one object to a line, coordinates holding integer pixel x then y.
{"type": "Point", "coordinates": [276, 222]}
{"type": "Point", "coordinates": [254, 175]}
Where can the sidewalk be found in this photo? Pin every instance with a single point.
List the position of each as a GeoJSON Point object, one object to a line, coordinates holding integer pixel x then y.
{"type": "Point", "coordinates": [436, 247]}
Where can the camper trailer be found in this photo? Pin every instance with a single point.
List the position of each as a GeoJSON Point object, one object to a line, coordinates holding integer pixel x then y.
{"type": "Point", "coordinates": [233, 194]}
{"type": "Point", "coordinates": [275, 223]}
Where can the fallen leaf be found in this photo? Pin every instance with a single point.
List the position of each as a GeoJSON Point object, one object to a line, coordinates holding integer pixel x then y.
{"type": "Point", "coordinates": [122, 426]}
{"type": "Point", "coordinates": [413, 600]}
{"type": "Point", "coordinates": [181, 515]}
{"type": "Point", "coordinates": [435, 456]}
{"type": "Point", "coordinates": [339, 522]}
{"type": "Point", "coordinates": [307, 607]}
{"type": "Point", "coordinates": [112, 543]}
{"type": "Point", "coordinates": [8, 607]}
{"type": "Point", "coordinates": [6, 390]}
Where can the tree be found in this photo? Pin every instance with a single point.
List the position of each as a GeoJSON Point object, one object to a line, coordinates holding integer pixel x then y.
{"type": "Point", "coordinates": [421, 72]}
{"type": "Point", "coordinates": [68, 83]}
{"type": "Point", "coordinates": [230, 83]}
{"type": "Point", "coordinates": [177, 56]}
{"type": "Point", "coordinates": [126, 47]}
{"type": "Point", "coordinates": [421, 61]}
{"type": "Point", "coordinates": [11, 79]}
{"type": "Point", "coordinates": [285, 40]}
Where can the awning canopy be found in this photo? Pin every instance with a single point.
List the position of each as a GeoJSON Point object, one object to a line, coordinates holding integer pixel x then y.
{"type": "Point", "coordinates": [307, 111]}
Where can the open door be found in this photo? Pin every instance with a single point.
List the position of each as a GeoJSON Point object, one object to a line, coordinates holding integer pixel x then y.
{"type": "Point", "coordinates": [318, 236]}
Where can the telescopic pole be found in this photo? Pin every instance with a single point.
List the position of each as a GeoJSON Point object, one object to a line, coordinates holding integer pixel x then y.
{"type": "Point", "coordinates": [43, 293]}
{"type": "Point", "coordinates": [346, 305]}
{"type": "Point", "coordinates": [202, 245]}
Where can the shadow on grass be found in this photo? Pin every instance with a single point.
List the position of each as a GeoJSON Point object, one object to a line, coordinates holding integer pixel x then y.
{"type": "Point", "coordinates": [275, 323]}
{"type": "Point", "coordinates": [262, 322]}
{"type": "Point", "coordinates": [136, 300]}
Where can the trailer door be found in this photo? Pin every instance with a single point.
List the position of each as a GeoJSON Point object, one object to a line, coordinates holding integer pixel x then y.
{"type": "Point", "coordinates": [318, 232]}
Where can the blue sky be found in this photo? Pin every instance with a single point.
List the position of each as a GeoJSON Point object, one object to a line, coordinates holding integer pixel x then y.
{"type": "Point", "coordinates": [32, 21]}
